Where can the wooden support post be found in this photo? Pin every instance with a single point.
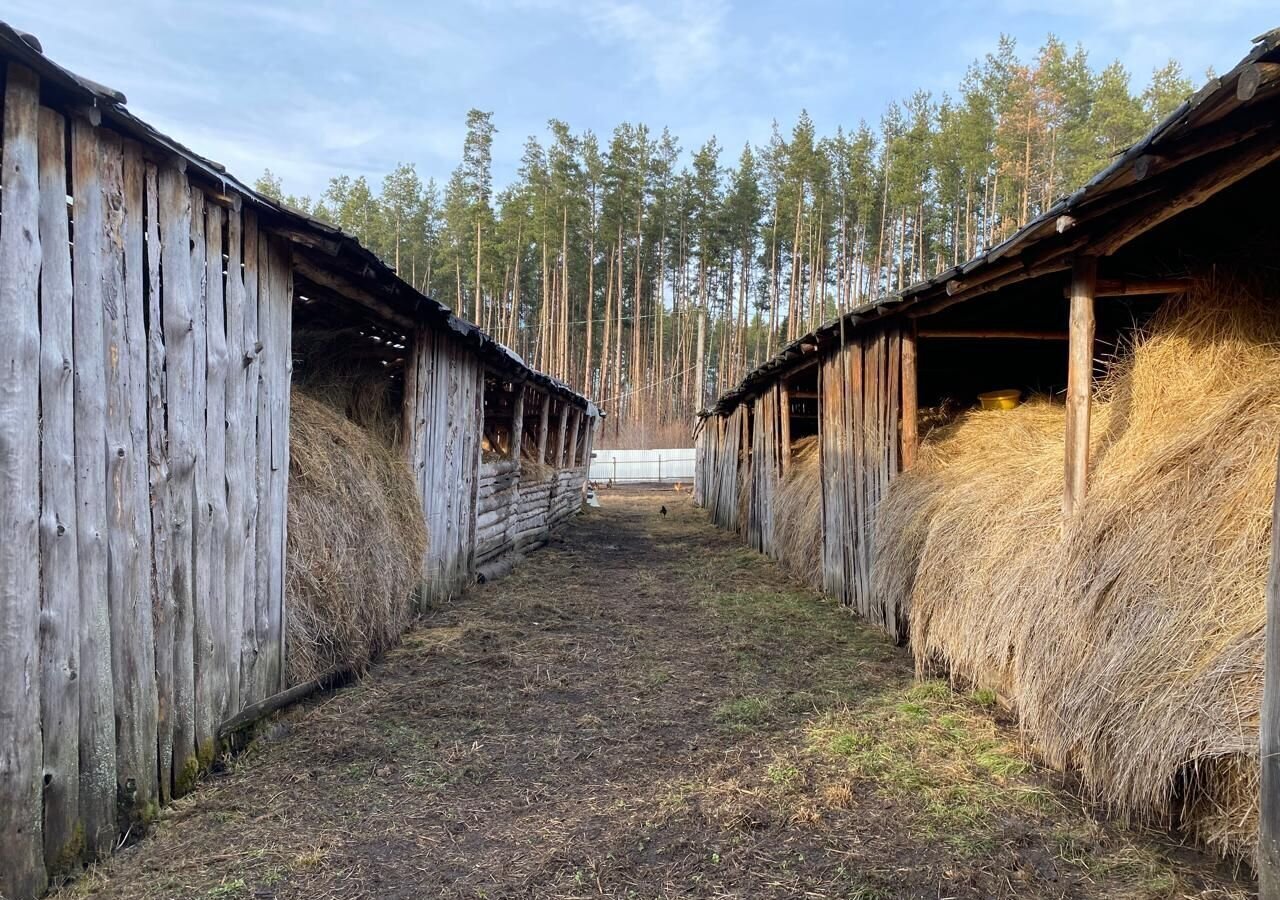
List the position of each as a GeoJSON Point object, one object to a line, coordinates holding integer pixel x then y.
{"type": "Point", "coordinates": [910, 398]}
{"type": "Point", "coordinates": [517, 423]}
{"type": "Point", "coordinates": [544, 423]}
{"type": "Point", "coordinates": [1084, 276]}
{"type": "Point", "coordinates": [575, 422]}
{"type": "Point", "coordinates": [784, 424]}
{"type": "Point", "coordinates": [1269, 731]}
{"type": "Point", "coordinates": [558, 459]}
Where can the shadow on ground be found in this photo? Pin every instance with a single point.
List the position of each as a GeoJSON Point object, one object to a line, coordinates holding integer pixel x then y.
{"type": "Point", "coordinates": [644, 709]}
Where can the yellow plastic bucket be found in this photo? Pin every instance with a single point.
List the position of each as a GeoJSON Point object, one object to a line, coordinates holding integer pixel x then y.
{"type": "Point", "coordinates": [1000, 399]}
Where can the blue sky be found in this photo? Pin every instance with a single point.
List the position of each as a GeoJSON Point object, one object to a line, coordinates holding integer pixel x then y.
{"type": "Point", "coordinates": [312, 89]}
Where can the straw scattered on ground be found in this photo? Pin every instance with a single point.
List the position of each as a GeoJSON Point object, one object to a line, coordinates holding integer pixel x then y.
{"type": "Point", "coordinates": [1130, 641]}
{"type": "Point", "coordinates": [356, 541]}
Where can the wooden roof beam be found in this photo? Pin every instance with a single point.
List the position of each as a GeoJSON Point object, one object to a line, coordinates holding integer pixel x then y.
{"type": "Point", "coordinates": [343, 287]}
{"type": "Point", "coordinates": [1247, 159]}
{"type": "Point", "coordinates": [1138, 287]}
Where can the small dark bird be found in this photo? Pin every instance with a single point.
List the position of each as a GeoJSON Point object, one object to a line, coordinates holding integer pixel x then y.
{"type": "Point", "coordinates": [663, 512]}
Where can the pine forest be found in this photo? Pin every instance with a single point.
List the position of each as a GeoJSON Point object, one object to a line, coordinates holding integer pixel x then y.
{"type": "Point", "coordinates": [652, 276]}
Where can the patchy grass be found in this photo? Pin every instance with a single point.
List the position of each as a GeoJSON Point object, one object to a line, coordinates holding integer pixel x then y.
{"type": "Point", "coordinates": [644, 709]}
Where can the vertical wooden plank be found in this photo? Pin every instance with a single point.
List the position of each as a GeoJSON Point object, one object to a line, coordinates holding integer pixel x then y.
{"type": "Point", "coordinates": [145, 792]}
{"type": "Point", "coordinates": [204, 567]}
{"type": "Point", "coordinates": [784, 425]}
{"type": "Point", "coordinates": [285, 342]}
{"type": "Point", "coordinates": [1084, 277]}
{"type": "Point", "coordinates": [262, 562]}
{"type": "Point", "coordinates": [249, 649]}
{"type": "Point", "coordinates": [571, 457]}
{"type": "Point", "coordinates": [472, 451]}
{"type": "Point", "coordinates": [211, 606]}
{"type": "Point", "coordinates": [910, 398]}
{"type": "Point", "coordinates": [178, 312]}
{"type": "Point", "coordinates": [234, 412]}
{"type": "Point", "coordinates": [1269, 727]}
{"type": "Point", "coordinates": [831, 448]}
{"type": "Point", "coordinates": [59, 561]}
{"type": "Point", "coordinates": [128, 499]}
{"type": "Point", "coordinates": [274, 309]}
{"type": "Point", "coordinates": [544, 422]}
{"type": "Point", "coordinates": [97, 712]}
{"type": "Point", "coordinates": [558, 459]}
{"type": "Point", "coordinates": [517, 423]}
{"type": "Point", "coordinates": [162, 605]}
{"type": "Point", "coordinates": [892, 392]}
{"type": "Point", "coordinates": [22, 869]}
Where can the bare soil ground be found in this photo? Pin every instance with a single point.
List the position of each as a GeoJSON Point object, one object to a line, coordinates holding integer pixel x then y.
{"type": "Point", "coordinates": [645, 709]}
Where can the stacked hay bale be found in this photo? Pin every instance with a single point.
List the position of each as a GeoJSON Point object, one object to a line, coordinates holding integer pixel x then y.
{"type": "Point", "coordinates": [1130, 640]}
{"type": "Point", "coordinates": [356, 541]}
{"type": "Point", "coordinates": [798, 514]}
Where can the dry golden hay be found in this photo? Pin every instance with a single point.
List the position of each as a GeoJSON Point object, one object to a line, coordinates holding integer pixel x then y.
{"type": "Point", "coordinates": [530, 469]}
{"type": "Point", "coordinates": [798, 514]}
{"type": "Point", "coordinates": [1129, 642]}
{"type": "Point", "coordinates": [356, 542]}
{"type": "Point", "coordinates": [356, 386]}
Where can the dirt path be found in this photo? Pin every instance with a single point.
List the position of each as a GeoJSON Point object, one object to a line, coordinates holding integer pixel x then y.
{"type": "Point", "coordinates": [644, 709]}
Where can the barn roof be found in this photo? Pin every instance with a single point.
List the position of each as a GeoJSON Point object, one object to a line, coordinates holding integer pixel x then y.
{"type": "Point", "coordinates": [323, 251]}
{"type": "Point", "coordinates": [1225, 131]}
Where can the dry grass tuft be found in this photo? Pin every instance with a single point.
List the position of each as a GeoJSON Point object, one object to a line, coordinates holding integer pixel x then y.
{"type": "Point", "coordinates": [355, 544]}
{"type": "Point", "coordinates": [1130, 642]}
{"type": "Point", "coordinates": [798, 514]}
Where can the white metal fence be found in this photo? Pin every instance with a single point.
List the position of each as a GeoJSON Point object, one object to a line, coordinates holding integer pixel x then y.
{"type": "Point", "coordinates": [636, 466]}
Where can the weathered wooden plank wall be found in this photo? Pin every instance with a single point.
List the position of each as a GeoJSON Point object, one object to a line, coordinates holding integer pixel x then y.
{"type": "Point", "coordinates": [724, 511]}
{"type": "Point", "coordinates": [21, 750]}
{"type": "Point", "coordinates": [444, 399]}
{"type": "Point", "coordinates": [765, 472]}
{"type": "Point", "coordinates": [477, 512]}
{"type": "Point", "coordinates": [144, 466]}
{"type": "Point", "coordinates": [143, 472]}
{"type": "Point", "coordinates": [860, 400]}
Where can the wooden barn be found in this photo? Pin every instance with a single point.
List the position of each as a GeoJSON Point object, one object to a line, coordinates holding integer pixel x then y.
{"type": "Point", "coordinates": [156, 315]}
{"type": "Point", "coordinates": [1097, 556]}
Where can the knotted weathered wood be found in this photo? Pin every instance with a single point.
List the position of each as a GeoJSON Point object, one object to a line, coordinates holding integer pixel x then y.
{"type": "Point", "coordinates": [162, 608]}
{"type": "Point", "coordinates": [129, 508]}
{"type": "Point", "coordinates": [22, 871]}
{"type": "Point", "coordinates": [211, 494]}
{"type": "Point", "coordinates": [59, 561]}
{"type": "Point", "coordinates": [250, 684]}
{"type": "Point", "coordinates": [178, 310]}
{"type": "Point", "coordinates": [544, 421]}
{"type": "Point", "coordinates": [97, 709]}
{"type": "Point", "coordinates": [236, 474]}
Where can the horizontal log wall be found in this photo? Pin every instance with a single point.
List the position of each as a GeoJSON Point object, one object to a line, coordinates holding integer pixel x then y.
{"type": "Point", "coordinates": [143, 474]}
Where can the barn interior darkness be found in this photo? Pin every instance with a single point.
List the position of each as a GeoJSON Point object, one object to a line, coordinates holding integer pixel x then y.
{"type": "Point", "coordinates": [352, 359]}
{"type": "Point", "coordinates": [1230, 233]}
